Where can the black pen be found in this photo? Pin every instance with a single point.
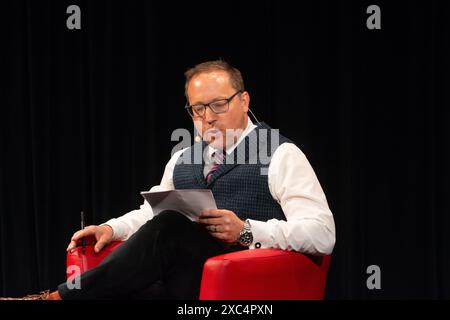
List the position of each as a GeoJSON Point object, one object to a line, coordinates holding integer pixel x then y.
{"type": "Point", "coordinates": [83, 243]}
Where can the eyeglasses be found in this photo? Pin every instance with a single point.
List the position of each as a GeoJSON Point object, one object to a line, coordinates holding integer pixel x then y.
{"type": "Point", "coordinates": [218, 106]}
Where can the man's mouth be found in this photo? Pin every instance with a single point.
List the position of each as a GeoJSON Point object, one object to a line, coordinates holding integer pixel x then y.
{"type": "Point", "coordinates": [212, 134]}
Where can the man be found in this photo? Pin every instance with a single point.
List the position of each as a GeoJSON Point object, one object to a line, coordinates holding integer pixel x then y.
{"type": "Point", "coordinates": [279, 204]}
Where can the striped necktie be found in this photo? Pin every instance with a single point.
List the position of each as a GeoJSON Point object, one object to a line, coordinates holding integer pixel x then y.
{"type": "Point", "coordinates": [218, 159]}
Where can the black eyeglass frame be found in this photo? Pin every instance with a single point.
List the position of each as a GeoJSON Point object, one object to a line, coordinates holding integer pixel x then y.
{"type": "Point", "coordinates": [228, 100]}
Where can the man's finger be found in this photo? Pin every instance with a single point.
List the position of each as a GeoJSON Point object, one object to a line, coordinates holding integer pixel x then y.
{"type": "Point", "coordinates": [219, 235]}
{"type": "Point", "coordinates": [223, 236]}
{"type": "Point", "coordinates": [100, 244]}
{"type": "Point", "coordinates": [81, 234]}
{"type": "Point", "coordinates": [71, 245]}
{"type": "Point", "coordinates": [210, 220]}
{"type": "Point", "coordinates": [211, 213]}
{"type": "Point", "coordinates": [78, 235]}
{"type": "Point", "coordinates": [73, 241]}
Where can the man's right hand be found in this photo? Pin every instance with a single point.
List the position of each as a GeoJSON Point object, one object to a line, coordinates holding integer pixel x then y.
{"type": "Point", "coordinates": [102, 234]}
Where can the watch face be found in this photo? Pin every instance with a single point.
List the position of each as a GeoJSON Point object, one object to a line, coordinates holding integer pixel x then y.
{"type": "Point", "coordinates": [246, 238]}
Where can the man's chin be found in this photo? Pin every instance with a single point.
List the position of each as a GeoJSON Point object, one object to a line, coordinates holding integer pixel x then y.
{"type": "Point", "coordinates": [215, 143]}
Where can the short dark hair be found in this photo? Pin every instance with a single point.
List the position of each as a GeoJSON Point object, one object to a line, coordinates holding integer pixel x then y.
{"type": "Point", "coordinates": [235, 75]}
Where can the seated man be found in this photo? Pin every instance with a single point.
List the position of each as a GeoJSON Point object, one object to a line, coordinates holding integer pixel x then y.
{"type": "Point", "coordinates": [272, 203]}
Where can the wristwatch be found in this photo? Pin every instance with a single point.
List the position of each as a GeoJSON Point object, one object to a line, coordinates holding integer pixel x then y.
{"type": "Point", "coordinates": [246, 235]}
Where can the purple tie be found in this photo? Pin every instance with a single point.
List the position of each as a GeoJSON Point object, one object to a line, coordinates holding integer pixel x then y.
{"type": "Point", "coordinates": [218, 159]}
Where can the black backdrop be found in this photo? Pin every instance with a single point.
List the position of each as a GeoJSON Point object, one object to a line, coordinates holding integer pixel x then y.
{"type": "Point", "coordinates": [86, 118]}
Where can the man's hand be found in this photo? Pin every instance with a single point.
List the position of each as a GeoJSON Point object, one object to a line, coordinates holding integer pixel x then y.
{"type": "Point", "coordinates": [102, 235]}
{"type": "Point", "coordinates": [222, 224]}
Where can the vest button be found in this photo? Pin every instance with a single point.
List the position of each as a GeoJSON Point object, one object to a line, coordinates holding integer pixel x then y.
{"type": "Point", "coordinates": [257, 245]}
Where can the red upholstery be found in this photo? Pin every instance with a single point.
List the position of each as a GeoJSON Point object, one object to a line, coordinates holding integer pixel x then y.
{"type": "Point", "coordinates": [264, 274]}
{"type": "Point", "coordinates": [261, 274]}
{"type": "Point", "coordinates": [89, 259]}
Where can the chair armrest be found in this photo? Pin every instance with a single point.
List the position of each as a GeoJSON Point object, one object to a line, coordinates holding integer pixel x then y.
{"type": "Point", "coordinates": [88, 259]}
{"type": "Point", "coordinates": [264, 274]}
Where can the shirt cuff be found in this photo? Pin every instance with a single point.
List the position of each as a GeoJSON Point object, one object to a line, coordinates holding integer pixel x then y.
{"type": "Point", "coordinates": [261, 235]}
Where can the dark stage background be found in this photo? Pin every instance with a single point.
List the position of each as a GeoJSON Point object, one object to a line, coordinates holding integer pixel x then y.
{"type": "Point", "coordinates": [86, 118]}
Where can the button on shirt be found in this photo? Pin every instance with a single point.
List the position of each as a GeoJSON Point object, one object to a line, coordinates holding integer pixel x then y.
{"type": "Point", "coordinates": [292, 183]}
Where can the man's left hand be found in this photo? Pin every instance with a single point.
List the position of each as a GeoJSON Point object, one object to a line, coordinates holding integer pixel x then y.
{"type": "Point", "coordinates": [222, 224]}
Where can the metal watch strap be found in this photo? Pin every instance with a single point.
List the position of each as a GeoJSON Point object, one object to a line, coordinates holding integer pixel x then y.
{"type": "Point", "coordinates": [246, 236]}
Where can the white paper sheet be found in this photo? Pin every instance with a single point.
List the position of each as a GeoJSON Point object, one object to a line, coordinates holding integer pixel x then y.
{"type": "Point", "coordinates": [189, 202]}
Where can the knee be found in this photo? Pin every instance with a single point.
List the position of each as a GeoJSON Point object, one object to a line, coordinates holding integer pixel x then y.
{"type": "Point", "coordinates": [169, 220]}
{"type": "Point", "coordinates": [168, 227]}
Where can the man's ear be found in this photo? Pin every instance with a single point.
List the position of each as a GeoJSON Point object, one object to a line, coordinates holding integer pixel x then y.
{"type": "Point", "coordinates": [245, 98]}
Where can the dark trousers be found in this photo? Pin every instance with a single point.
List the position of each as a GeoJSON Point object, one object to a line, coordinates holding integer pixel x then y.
{"type": "Point", "coordinates": [162, 260]}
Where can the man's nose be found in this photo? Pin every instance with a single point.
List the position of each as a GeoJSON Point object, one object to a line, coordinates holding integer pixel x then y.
{"type": "Point", "coordinates": [210, 116]}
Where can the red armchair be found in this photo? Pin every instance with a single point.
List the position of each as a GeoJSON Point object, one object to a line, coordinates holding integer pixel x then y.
{"type": "Point", "coordinates": [260, 274]}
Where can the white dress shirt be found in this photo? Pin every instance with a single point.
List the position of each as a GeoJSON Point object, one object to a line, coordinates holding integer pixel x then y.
{"type": "Point", "coordinates": [292, 183]}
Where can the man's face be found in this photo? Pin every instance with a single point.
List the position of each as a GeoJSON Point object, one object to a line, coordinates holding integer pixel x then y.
{"type": "Point", "coordinates": [211, 86]}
